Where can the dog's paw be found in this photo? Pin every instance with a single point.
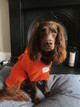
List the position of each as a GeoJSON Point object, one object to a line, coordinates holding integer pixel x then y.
{"type": "Point", "coordinates": [48, 94]}
{"type": "Point", "coordinates": [36, 100]}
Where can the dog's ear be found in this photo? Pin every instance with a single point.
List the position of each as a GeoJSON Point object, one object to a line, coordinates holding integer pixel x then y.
{"type": "Point", "coordinates": [34, 45]}
{"type": "Point", "coordinates": [60, 47]}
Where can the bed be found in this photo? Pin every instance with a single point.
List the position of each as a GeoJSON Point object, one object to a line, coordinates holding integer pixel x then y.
{"type": "Point", "coordinates": [66, 89]}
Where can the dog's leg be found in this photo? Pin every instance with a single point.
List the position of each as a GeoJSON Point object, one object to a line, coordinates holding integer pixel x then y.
{"type": "Point", "coordinates": [30, 88]}
{"type": "Point", "coordinates": [34, 94]}
{"type": "Point", "coordinates": [42, 85]}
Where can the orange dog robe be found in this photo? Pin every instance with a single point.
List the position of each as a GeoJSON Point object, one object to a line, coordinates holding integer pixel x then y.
{"type": "Point", "coordinates": [26, 68]}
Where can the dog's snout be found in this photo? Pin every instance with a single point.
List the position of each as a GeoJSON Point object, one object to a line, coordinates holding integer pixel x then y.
{"type": "Point", "coordinates": [48, 42]}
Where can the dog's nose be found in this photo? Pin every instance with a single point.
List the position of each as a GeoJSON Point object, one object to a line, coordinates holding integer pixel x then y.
{"type": "Point", "coordinates": [48, 42]}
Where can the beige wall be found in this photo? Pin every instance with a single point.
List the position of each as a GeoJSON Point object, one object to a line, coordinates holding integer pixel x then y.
{"type": "Point", "coordinates": [4, 27]}
{"type": "Point", "coordinates": [5, 51]}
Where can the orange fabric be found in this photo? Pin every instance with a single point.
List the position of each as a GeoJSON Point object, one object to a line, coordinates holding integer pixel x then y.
{"type": "Point", "coordinates": [26, 68]}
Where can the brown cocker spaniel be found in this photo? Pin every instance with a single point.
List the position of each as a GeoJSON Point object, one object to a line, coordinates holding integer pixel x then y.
{"type": "Point", "coordinates": [47, 44]}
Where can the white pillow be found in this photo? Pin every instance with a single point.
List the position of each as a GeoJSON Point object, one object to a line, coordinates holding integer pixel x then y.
{"type": "Point", "coordinates": [4, 74]}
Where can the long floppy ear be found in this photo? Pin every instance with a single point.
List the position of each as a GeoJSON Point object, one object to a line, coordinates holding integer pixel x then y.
{"type": "Point", "coordinates": [34, 45]}
{"type": "Point", "coordinates": [60, 47]}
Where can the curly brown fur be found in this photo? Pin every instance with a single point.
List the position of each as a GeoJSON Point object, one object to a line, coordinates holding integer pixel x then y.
{"type": "Point", "coordinates": [60, 48]}
{"type": "Point", "coordinates": [34, 45]}
{"type": "Point", "coordinates": [13, 93]}
{"type": "Point", "coordinates": [47, 44]}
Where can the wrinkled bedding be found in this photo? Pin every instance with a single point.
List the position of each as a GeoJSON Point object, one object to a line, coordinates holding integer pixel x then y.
{"type": "Point", "coordinates": [66, 91]}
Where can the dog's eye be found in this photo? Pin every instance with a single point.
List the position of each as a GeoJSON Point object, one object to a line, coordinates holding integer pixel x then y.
{"type": "Point", "coordinates": [54, 31]}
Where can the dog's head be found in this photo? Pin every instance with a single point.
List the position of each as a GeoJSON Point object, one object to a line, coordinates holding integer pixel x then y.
{"type": "Point", "coordinates": [47, 33]}
{"type": "Point", "coordinates": [48, 37]}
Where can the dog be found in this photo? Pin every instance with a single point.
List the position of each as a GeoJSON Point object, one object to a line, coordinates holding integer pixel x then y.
{"type": "Point", "coordinates": [46, 46]}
